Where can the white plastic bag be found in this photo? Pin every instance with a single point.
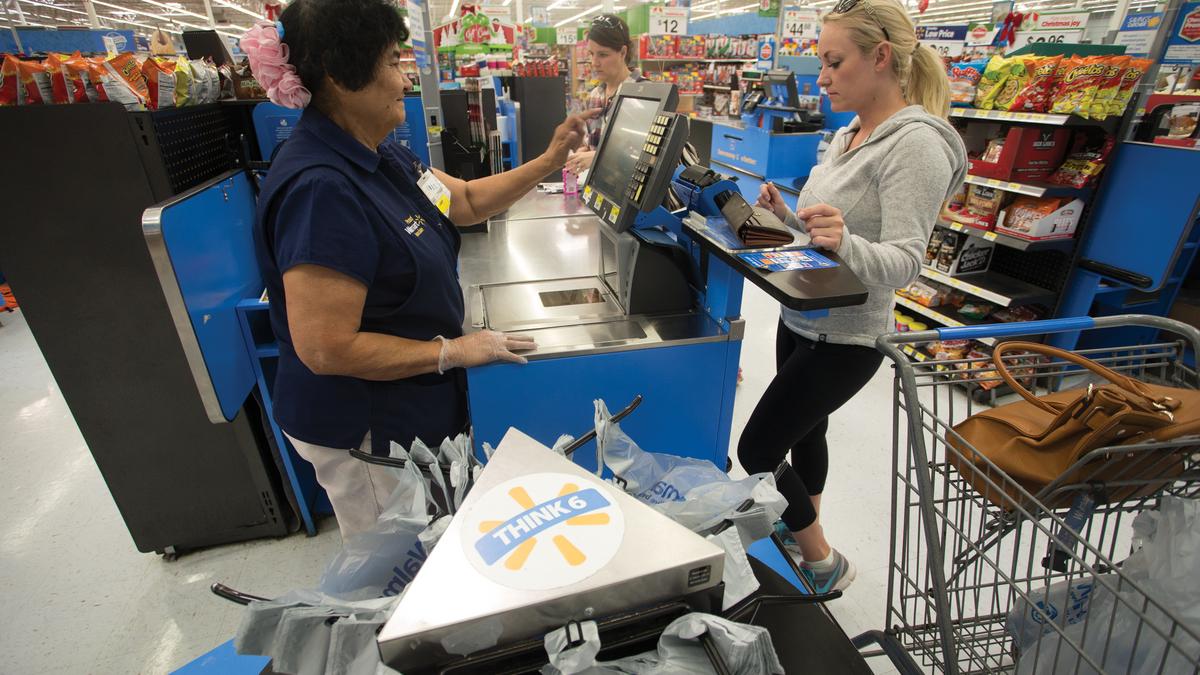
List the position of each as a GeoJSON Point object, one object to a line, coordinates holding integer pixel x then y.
{"type": "Point", "coordinates": [383, 560]}
{"type": "Point", "coordinates": [1167, 569]}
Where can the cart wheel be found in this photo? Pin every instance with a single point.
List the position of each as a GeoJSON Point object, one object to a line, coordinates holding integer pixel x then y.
{"type": "Point", "coordinates": [169, 554]}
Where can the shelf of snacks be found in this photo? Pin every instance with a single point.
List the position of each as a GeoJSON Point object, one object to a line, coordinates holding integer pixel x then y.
{"type": "Point", "coordinates": [944, 315]}
{"type": "Point", "coordinates": [1063, 244]}
{"type": "Point", "coordinates": [993, 287]}
{"type": "Point", "coordinates": [693, 60]}
{"type": "Point", "coordinates": [1056, 90]}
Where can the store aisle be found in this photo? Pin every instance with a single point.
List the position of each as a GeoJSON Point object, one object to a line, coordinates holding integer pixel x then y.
{"type": "Point", "coordinates": [79, 598]}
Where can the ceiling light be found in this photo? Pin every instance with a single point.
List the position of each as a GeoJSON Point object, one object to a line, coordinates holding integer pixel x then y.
{"type": "Point", "coordinates": [580, 15]}
{"type": "Point", "coordinates": [231, 5]}
{"type": "Point", "coordinates": [176, 8]}
{"type": "Point", "coordinates": [168, 19]}
{"type": "Point", "coordinates": [54, 7]}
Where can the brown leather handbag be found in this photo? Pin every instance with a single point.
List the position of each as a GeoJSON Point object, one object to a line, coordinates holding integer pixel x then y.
{"type": "Point", "coordinates": [1039, 440]}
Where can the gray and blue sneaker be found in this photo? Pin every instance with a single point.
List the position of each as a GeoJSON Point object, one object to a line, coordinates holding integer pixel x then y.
{"type": "Point", "coordinates": [838, 578]}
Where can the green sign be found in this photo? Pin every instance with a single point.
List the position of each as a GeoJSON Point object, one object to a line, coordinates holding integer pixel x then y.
{"type": "Point", "coordinates": [768, 8]}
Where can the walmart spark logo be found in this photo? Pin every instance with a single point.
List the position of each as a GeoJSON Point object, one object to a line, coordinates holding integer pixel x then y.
{"type": "Point", "coordinates": [550, 531]}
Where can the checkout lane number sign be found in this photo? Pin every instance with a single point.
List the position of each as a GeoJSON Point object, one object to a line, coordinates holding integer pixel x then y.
{"type": "Point", "coordinates": [543, 531]}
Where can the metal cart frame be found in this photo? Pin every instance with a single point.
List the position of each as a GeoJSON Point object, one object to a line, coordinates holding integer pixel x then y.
{"type": "Point", "coordinates": [960, 564]}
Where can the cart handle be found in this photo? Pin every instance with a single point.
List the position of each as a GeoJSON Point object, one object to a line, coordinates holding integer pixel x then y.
{"type": "Point", "coordinates": [1017, 328]}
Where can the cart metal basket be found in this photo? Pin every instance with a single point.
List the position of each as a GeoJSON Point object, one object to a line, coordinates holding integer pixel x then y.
{"type": "Point", "coordinates": [960, 565]}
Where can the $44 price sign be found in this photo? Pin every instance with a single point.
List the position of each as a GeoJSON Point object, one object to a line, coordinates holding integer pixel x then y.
{"type": "Point", "coordinates": [668, 20]}
{"type": "Point", "coordinates": [800, 24]}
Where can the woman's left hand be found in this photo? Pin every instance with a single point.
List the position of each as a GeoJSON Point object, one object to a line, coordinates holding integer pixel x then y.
{"type": "Point", "coordinates": [580, 161]}
{"type": "Point", "coordinates": [824, 225]}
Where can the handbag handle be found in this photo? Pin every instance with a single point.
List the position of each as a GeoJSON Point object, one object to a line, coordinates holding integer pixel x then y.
{"type": "Point", "coordinates": [1124, 382]}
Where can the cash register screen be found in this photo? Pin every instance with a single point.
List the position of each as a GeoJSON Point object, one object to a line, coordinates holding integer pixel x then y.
{"type": "Point", "coordinates": [622, 149]}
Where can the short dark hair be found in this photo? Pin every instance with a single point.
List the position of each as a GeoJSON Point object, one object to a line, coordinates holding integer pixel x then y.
{"type": "Point", "coordinates": [344, 39]}
{"type": "Point", "coordinates": [610, 30]}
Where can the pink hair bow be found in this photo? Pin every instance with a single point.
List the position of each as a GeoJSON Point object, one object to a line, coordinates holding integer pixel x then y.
{"type": "Point", "coordinates": [269, 63]}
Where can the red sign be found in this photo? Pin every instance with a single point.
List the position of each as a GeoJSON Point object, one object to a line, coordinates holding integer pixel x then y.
{"type": "Point", "coordinates": [980, 32]}
{"type": "Point", "coordinates": [765, 51]}
{"type": "Point", "coordinates": [1190, 30]}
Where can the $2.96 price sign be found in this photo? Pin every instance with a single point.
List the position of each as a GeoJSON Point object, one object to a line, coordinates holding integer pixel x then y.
{"type": "Point", "coordinates": [668, 20]}
{"type": "Point", "coordinates": [800, 24]}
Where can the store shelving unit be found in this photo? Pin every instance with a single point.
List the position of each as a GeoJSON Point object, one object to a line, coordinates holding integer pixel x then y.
{"type": "Point", "coordinates": [994, 287]}
{"type": "Point", "coordinates": [1063, 244]}
{"type": "Point", "coordinates": [1031, 189]}
{"type": "Point", "coordinates": [1026, 117]}
{"type": "Point", "coordinates": [946, 316]}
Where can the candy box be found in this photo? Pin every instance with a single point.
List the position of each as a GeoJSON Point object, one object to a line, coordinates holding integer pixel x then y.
{"type": "Point", "coordinates": [1029, 154]}
{"type": "Point", "coordinates": [1059, 224]}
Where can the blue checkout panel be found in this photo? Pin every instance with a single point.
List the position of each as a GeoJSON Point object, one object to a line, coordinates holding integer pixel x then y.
{"type": "Point", "coordinates": [273, 124]}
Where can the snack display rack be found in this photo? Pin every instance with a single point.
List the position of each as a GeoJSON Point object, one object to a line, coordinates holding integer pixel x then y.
{"type": "Point", "coordinates": [1023, 272]}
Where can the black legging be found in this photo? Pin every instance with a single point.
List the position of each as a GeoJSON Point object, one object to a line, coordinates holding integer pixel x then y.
{"type": "Point", "coordinates": [812, 380]}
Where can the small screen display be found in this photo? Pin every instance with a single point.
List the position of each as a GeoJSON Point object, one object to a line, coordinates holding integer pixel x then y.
{"type": "Point", "coordinates": [626, 135]}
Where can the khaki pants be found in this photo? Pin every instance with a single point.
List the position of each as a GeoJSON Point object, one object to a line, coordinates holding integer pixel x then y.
{"type": "Point", "coordinates": [358, 491]}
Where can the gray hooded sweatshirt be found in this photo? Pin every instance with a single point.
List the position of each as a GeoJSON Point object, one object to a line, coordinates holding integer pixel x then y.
{"type": "Point", "coordinates": [890, 190]}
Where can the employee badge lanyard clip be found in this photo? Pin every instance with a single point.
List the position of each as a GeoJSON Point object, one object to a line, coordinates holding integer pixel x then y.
{"type": "Point", "coordinates": [435, 190]}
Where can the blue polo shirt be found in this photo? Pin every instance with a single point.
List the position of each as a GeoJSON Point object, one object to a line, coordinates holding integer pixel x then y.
{"type": "Point", "coordinates": [330, 201]}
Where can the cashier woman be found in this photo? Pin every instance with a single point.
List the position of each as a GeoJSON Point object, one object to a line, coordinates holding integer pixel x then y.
{"type": "Point", "coordinates": [357, 242]}
{"type": "Point", "coordinates": [873, 199]}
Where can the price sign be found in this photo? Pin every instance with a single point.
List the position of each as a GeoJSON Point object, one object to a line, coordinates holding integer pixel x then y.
{"type": "Point", "coordinates": [800, 24]}
{"type": "Point", "coordinates": [1053, 28]}
{"type": "Point", "coordinates": [668, 20]}
{"type": "Point", "coordinates": [567, 36]}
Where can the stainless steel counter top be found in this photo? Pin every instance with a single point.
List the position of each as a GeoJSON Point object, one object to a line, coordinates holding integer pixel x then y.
{"type": "Point", "coordinates": [538, 205]}
{"type": "Point", "coordinates": [523, 263]}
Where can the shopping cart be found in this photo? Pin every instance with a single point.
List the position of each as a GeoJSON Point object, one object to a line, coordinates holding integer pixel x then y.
{"type": "Point", "coordinates": [960, 565]}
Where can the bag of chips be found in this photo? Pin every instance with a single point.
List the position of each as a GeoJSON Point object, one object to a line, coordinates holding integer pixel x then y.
{"type": "Point", "coordinates": [60, 90]}
{"type": "Point", "coordinates": [1035, 95]}
{"type": "Point", "coordinates": [1084, 163]}
{"type": "Point", "coordinates": [977, 310]}
{"type": "Point", "coordinates": [33, 84]}
{"type": "Point", "coordinates": [184, 82]}
{"type": "Point", "coordinates": [124, 82]}
{"type": "Point", "coordinates": [160, 83]}
{"type": "Point", "coordinates": [1081, 78]}
{"type": "Point", "coordinates": [77, 72]}
{"type": "Point", "coordinates": [96, 74]}
{"type": "Point", "coordinates": [1108, 85]}
{"type": "Point", "coordinates": [964, 81]}
{"type": "Point", "coordinates": [1020, 73]}
{"type": "Point", "coordinates": [8, 80]}
{"type": "Point", "coordinates": [994, 76]}
{"type": "Point", "coordinates": [1129, 80]}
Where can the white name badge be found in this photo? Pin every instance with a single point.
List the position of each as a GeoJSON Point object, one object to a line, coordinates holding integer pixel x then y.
{"type": "Point", "coordinates": [435, 191]}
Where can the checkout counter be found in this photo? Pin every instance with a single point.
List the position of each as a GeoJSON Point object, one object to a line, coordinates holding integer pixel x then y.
{"type": "Point", "coordinates": [776, 138]}
{"type": "Point", "coordinates": [624, 297]}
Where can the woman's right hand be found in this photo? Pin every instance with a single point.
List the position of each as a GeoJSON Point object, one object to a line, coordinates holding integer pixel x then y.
{"type": "Point", "coordinates": [580, 161]}
{"type": "Point", "coordinates": [769, 198]}
{"type": "Point", "coordinates": [483, 347]}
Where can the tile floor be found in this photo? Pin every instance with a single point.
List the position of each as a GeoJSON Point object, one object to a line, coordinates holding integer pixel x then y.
{"type": "Point", "coordinates": [79, 598]}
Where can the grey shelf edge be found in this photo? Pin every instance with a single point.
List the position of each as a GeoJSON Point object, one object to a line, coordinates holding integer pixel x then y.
{"type": "Point", "coordinates": [942, 318]}
{"type": "Point", "coordinates": [1010, 241]}
{"type": "Point", "coordinates": [1031, 118]}
{"type": "Point", "coordinates": [993, 287]}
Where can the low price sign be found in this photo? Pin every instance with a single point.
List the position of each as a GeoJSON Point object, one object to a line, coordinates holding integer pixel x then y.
{"type": "Point", "coordinates": [1183, 46]}
{"type": "Point", "coordinates": [947, 41]}
{"type": "Point", "coordinates": [1138, 31]}
{"type": "Point", "coordinates": [1054, 27]}
{"type": "Point", "coordinates": [801, 24]}
{"type": "Point", "coordinates": [668, 20]}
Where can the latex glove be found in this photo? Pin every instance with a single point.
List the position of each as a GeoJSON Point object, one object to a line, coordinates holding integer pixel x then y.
{"type": "Point", "coordinates": [569, 135]}
{"type": "Point", "coordinates": [486, 346]}
{"type": "Point", "coordinates": [825, 225]}
{"type": "Point", "coordinates": [580, 161]}
{"type": "Point", "coordinates": [770, 199]}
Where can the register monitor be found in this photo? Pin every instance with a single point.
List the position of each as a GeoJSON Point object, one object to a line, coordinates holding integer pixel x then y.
{"type": "Point", "coordinates": [637, 156]}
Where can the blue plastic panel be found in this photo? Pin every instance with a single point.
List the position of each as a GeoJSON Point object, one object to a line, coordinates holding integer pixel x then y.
{"type": "Point", "coordinates": [685, 388]}
{"type": "Point", "coordinates": [1148, 205]}
{"type": "Point", "coordinates": [273, 124]}
{"type": "Point", "coordinates": [209, 239]}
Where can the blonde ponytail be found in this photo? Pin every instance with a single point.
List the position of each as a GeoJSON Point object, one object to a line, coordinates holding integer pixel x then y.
{"type": "Point", "coordinates": [919, 70]}
{"type": "Point", "coordinates": [927, 84]}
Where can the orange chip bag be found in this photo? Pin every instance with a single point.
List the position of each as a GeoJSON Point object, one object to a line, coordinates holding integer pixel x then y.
{"type": "Point", "coordinates": [1035, 96]}
{"type": "Point", "coordinates": [8, 80]}
{"type": "Point", "coordinates": [1081, 77]}
{"type": "Point", "coordinates": [160, 81]}
{"type": "Point", "coordinates": [66, 84]}
{"type": "Point", "coordinates": [1108, 86]}
{"type": "Point", "coordinates": [96, 74]}
{"type": "Point", "coordinates": [77, 72]}
{"type": "Point", "coordinates": [33, 84]}
{"type": "Point", "coordinates": [124, 82]}
{"type": "Point", "coordinates": [1129, 80]}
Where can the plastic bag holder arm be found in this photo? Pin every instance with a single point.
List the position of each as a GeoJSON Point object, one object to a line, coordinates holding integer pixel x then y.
{"type": "Point", "coordinates": [583, 440]}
